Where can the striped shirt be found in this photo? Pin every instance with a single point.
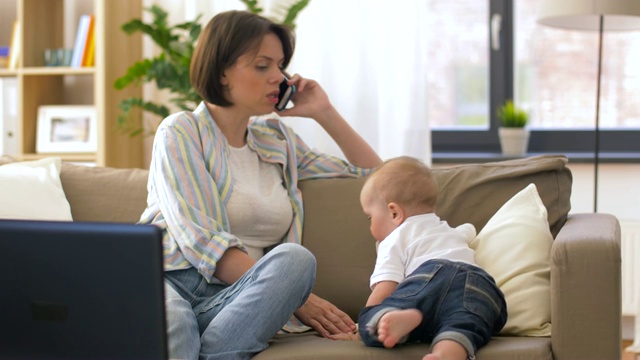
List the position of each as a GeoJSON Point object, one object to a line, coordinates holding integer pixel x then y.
{"type": "Point", "coordinates": [190, 184]}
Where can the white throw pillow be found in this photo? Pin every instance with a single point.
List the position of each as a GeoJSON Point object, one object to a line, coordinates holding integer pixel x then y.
{"type": "Point", "coordinates": [32, 190]}
{"type": "Point", "coordinates": [514, 247]}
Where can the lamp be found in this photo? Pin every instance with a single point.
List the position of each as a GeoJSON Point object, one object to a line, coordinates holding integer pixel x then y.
{"type": "Point", "coordinates": [599, 15]}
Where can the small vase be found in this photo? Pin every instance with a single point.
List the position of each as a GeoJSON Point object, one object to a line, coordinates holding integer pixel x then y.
{"type": "Point", "coordinates": [514, 141]}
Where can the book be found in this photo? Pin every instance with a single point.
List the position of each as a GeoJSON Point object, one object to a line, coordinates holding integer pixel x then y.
{"type": "Point", "coordinates": [14, 47]}
{"type": "Point", "coordinates": [80, 41]}
{"type": "Point", "coordinates": [4, 56]}
{"type": "Point", "coordinates": [89, 47]}
{"type": "Point", "coordinates": [8, 116]}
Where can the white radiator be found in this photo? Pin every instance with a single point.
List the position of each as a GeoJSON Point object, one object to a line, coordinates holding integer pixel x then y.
{"type": "Point", "coordinates": [631, 277]}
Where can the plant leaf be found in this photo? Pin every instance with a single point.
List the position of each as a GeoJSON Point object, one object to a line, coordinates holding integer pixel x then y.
{"type": "Point", "coordinates": [293, 12]}
{"type": "Point", "coordinates": [252, 6]}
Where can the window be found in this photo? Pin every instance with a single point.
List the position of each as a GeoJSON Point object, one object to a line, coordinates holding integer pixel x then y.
{"type": "Point", "coordinates": [458, 59]}
{"type": "Point", "coordinates": [551, 72]}
{"type": "Point", "coordinates": [556, 74]}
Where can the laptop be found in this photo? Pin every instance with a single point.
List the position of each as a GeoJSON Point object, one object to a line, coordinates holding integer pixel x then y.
{"type": "Point", "coordinates": [81, 290]}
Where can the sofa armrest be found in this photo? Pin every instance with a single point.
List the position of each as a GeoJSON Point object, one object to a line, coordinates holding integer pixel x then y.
{"type": "Point", "coordinates": [586, 288]}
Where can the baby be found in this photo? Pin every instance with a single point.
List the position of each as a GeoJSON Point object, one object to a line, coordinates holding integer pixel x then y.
{"type": "Point", "coordinates": [426, 286]}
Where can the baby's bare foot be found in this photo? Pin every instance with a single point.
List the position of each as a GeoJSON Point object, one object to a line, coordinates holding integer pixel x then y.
{"type": "Point", "coordinates": [396, 324]}
{"type": "Point", "coordinates": [431, 357]}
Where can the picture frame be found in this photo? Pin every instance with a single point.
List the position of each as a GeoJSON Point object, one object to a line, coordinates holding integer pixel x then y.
{"type": "Point", "coordinates": [67, 129]}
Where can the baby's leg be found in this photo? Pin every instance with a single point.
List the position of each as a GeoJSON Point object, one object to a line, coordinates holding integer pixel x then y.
{"type": "Point", "coordinates": [396, 324]}
{"type": "Point", "coordinates": [447, 350]}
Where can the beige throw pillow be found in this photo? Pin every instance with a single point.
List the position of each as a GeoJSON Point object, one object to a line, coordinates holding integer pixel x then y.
{"type": "Point", "coordinates": [514, 247]}
{"type": "Point", "coordinates": [31, 190]}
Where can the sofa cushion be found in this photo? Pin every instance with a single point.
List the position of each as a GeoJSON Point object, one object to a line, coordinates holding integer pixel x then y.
{"type": "Point", "coordinates": [105, 194]}
{"type": "Point", "coordinates": [337, 231]}
{"type": "Point", "coordinates": [514, 248]}
{"type": "Point", "coordinates": [312, 346]}
{"type": "Point", "coordinates": [474, 192]}
{"type": "Point", "coordinates": [31, 190]}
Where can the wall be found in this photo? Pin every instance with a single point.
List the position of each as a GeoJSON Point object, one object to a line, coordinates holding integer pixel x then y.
{"type": "Point", "coordinates": [619, 193]}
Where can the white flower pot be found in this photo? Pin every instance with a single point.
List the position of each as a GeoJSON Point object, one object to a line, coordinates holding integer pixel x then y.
{"type": "Point", "coordinates": [514, 141]}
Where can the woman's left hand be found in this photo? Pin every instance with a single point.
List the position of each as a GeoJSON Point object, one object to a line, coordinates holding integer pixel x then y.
{"type": "Point", "coordinates": [309, 100]}
{"type": "Point", "coordinates": [324, 317]}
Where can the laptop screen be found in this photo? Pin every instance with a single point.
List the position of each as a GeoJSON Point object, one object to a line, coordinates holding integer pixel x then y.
{"type": "Point", "coordinates": [81, 290]}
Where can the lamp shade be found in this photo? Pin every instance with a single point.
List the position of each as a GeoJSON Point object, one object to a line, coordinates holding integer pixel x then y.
{"type": "Point", "coordinates": [585, 14]}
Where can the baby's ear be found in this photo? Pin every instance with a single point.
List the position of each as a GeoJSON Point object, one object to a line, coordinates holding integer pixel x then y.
{"type": "Point", "coordinates": [396, 213]}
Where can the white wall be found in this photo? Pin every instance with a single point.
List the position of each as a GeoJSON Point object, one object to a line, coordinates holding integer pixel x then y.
{"type": "Point", "coordinates": [618, 194]}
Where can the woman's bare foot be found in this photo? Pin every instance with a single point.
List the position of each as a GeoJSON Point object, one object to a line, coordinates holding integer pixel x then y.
{"type": "Point", "coordinates": [396, 324]}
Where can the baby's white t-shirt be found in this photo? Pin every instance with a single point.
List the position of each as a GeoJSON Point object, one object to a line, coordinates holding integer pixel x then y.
{"type": "Point", "coordinates": [418, 239]}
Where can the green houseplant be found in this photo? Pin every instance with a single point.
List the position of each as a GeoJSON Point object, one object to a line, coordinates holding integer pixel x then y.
{"type": "Point", "coordinates": [170, 69]}
{"type": "Point", "coordinates": [513, 134]}
{"type": "Point", "coordinates": [512, 116]}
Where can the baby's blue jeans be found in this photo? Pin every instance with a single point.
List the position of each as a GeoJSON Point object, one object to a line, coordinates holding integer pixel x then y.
{"type": "Point", "coordinates": [458, 302]}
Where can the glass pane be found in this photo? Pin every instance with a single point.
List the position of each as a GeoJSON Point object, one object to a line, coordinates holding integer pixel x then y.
{"type": "Point", "coordinates": [459, 64]}
{"type": "Point", "coordinates": [556, 74]}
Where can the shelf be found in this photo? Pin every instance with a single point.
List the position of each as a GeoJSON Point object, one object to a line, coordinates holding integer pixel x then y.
{"type": "Point", "coordinates": [77, 157]}
{"type": "Point", "coordinates": [57, 70]}
{"type": "Point", "coordinates": [7, 73]}
{"type": "Point", "coordinates": [52, 24]}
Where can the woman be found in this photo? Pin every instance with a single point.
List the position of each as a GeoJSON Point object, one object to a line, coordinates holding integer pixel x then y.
{"type": "Point", "coordinates": [224, 189]}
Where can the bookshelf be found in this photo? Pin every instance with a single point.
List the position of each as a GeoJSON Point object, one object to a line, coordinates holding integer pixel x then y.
{"type": "Point", "coordinates": [53, 24]}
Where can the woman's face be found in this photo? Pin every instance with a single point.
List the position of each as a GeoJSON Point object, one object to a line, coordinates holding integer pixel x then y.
{"type": "Point", "coordinates": [252, 82]}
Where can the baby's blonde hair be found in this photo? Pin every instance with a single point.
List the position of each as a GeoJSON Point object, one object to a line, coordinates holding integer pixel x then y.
{"type": "Point", "coordinates": [406, 181]}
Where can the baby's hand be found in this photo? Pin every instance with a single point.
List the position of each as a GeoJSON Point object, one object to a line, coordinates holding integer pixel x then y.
{"type": "Point", "coordinates": [346, 336]}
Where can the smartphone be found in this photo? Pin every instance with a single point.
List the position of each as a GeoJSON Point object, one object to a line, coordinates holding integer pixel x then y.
{"type": "Point", "coordinates": [285, 94]}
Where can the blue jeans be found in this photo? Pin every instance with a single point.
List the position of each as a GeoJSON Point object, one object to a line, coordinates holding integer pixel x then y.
{"type": "Point", "coordinates": [214, 321]}
{"type": "Point", "coordinates": [458, 302]}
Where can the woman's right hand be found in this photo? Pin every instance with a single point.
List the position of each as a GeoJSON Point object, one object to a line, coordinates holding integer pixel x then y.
{"type": "Point", "coordinates": [346, 336]}
{"type": "Point", "coordinates": [324, 317]}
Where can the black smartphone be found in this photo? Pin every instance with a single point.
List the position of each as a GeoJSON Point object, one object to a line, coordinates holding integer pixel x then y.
{"type": "Point", "coordinates": [285, 94]}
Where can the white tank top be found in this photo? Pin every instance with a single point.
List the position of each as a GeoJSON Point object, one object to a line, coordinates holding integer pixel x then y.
{"type": "Point", "coordinates": [259, 209]}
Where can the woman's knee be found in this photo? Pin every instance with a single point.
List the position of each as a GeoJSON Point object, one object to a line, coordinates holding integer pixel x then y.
{"type": "Point", "coordinates": [297, 258]}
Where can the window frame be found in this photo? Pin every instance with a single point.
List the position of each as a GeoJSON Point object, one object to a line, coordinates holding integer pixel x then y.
{"type": "Point", "coordinates": [501, 88]}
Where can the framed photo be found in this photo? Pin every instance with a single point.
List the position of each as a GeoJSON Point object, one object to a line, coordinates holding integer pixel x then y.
{"type": "Point", "coordinates": [67, 129]}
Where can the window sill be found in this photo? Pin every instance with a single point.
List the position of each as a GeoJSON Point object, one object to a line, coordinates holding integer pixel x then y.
{"type": "Point", "coordinates": [578, 157]}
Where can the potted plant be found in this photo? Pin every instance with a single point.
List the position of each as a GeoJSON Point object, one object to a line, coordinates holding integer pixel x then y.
{"type": "Point", "coordinates": [170, 69]}
{"type": "Point", "coordinates": [514, 136]}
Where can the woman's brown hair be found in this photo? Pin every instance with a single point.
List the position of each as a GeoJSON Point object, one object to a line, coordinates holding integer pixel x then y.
{"type": "Point", "coordinates": [226, 37]}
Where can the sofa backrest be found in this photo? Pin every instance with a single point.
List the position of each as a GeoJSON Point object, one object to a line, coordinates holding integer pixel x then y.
{"type": "Point", "coordinates": [335, 229]}
{"type": "Point", "coordinates": [105, 194]}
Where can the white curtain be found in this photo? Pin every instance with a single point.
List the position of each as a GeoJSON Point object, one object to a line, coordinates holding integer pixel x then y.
{"type": "Point", "coordinates": [370, 56]}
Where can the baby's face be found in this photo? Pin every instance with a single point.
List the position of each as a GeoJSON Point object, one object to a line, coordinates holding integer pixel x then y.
{"type": "Point", "coordinates": [378, 213]}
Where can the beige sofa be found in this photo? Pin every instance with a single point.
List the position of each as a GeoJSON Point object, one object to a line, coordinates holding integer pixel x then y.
{"type": "Point", "coordinates": [585, 255]}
